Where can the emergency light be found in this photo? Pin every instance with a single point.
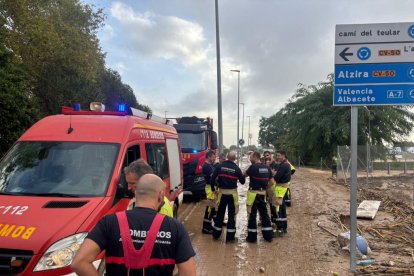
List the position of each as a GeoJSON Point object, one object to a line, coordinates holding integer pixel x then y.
{"type": "Point", "coordinates": [97, 106]}
{"type": "Point", "coordinates": [121, 108]}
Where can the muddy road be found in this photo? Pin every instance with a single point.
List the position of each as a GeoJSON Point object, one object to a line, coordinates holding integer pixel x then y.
{"type": "Point", "coordinates": [305, 250]}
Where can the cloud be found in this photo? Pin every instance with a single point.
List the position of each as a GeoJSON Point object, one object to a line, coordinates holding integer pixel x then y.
{"type": "Point", "coordinates": [168, 49]}
{"type": "Point", "coordinates": [166, 37]}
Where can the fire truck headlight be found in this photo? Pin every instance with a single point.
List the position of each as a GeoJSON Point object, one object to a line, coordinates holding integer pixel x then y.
{"type": "Point", "coordinates": [61, 253]}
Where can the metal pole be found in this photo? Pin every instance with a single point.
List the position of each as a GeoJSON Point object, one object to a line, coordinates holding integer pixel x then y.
{"type": "Point", "coordinates": [248, 138]}
{"type": "Point", "coordinates": [238, 116]}
{"type": "Point", "coordinates": [354, 184]}
{"type": "Point", "coordinates": [238, 113]}
{"type": "Point", "coordinates": [165, 114]}
{"type": "Point", "coordinates": [367, 164]}
{"type": "Point", "coordinates": [219, 105]}
{"type": "Point", "coordinates": [242, 121]}
{"type": "Point", "coordinates": [242, 130]}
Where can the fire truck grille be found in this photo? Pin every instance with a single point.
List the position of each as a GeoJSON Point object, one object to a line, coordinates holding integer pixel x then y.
{"type": "Point", "coordinates": [13, 262]}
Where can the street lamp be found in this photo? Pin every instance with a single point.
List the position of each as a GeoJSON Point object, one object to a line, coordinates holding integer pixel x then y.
{"type": "Point", "coordinates": [242, 130]}
{"type": "Point", "coordinates": [165, 114]}
{"type": "Point", "coordinates": [248, 135]}
{"type": "Point", "coordinates": [238, 111]}
{"type": "Point", "coordinates": [219, 105]}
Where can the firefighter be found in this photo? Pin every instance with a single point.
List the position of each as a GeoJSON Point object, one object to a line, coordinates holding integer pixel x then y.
{"type": "Point", "coordinates": [282, 179]}
{"type": "Point", "coordinates": [133, 173]}
{"type": "Point", "coordinates": [210, 212]}
{"type": "Point", "coordinates": [227, 174]}
{"type": "Point", "coordinates": [288, 195]}
{"type": "Point", "coordinates": [259, 175]}
{"type": "Point", "coordinates": [221, 159]}
{"type": "Point", "coordinates": [139, 241]}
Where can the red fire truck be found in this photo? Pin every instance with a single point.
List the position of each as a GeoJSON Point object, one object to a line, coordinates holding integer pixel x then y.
{"type": "Point", "coordinates": [66, 172]}
{"type": "Point", "coordinates": [196, 137]}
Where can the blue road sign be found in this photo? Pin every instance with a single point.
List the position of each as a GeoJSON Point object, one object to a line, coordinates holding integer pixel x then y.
{"type": "Point", "coordinates": [374, 64]}
{"type": "Point", "coordinates": [395, 94]}
{"type": "Point", "coordinates": [364, 53]}
{"type": "Point", "coordinates": [374, 73]}
{"type": "Point", "coordinates": [411, 31]}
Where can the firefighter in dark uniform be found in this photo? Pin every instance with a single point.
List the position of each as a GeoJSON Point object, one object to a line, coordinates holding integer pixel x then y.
{"type": "Point", "coordinates": [282, 179]}
{"type": "Point", "coordinates": [227, 174]}
{"type": "Point", "coordinates": [259, 175]}
{"type": "Point", "coordinates": [288, 195]}
{"type": "Point", "coordinates": [208, 169]}
{"type": "Point", "coordinates": [139, 241]}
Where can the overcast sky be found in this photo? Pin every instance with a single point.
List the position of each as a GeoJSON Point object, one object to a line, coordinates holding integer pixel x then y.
{"type": "Point", "coordinates": [165, 50]}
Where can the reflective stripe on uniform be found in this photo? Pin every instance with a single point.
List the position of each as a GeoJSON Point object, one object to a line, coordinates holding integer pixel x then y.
{"type": "Point", "coordinates": [216, 228]}
{"type": "Point", "coordinates": [206, 220]}
{"type": "Point", "coordinates": [252, 230]}
{"type": "Point", "coordinates": [281, 219]}
{"type": "Point", "coordinates": [231, 230]}
{"type": "Point", "coordinates": [267, 228]}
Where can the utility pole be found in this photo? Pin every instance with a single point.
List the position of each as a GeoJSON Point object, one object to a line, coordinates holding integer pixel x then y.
{"type": "Point", "coordinates": [238, 112]}
{"type": "Point", "coordinates": [248, 137]}
{"type": "Point", "coordinates": [219, 105]}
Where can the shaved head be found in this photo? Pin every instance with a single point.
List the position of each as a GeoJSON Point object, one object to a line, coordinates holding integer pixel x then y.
{"type": "Point", "coordinates": [149, 187]}
{"type": "Point", "coordinates": [231, 155]}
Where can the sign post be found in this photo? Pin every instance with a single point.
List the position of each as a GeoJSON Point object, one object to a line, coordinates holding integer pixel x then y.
{"type": "Point", "coordinates": [374, 65]}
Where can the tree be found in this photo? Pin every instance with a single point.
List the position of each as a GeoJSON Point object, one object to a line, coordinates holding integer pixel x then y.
{"type": "Point", "coordinates": [116, 92]}
{"type": "Point", "coordinates": [311, 127]}
{"type": "Point", "coordinates": [17, 110]}
{"type": "Point", "coordinates": [56, 42]}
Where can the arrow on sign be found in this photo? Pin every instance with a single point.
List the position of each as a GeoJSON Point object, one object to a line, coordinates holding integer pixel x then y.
{"type": "Point", "coordinates": [344, 54]}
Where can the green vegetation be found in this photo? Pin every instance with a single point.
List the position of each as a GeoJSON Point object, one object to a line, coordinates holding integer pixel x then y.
{"type": "Point", "coordinates": [310, 127]}
{"type": "Point", "coordinates": [50, 57]}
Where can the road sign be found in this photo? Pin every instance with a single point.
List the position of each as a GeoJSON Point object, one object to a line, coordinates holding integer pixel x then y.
{"type": "Point", "coordinates": [374, 65]}
{"type": "Point", "coordinates": [380, 53]}
{"type": "Point", "coordinates": [372, 61]}
{"type": "Point", "coordinates": [241, 142]}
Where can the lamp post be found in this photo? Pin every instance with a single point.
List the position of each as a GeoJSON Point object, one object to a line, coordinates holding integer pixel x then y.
{"type": "Point", "coordinates": [165, 114]}
{"type": "Point", "coordinates": [219, 106]}
{"type": "Point", "coordinates": [242, 130]}
{"type": "Point", "coordinates": [238, 112]}
{"type": "Point", "coordinates": [248, 135]}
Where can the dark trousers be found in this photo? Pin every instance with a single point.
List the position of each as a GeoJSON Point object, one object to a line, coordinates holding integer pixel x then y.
{"type": "Point", "coordinates": [273, 213]}
{"type": "Point", "coordinates": [259, 204]}
{"type": "Point", "coordinates": [208, 218]}
{"type": "Point", "coordinates": [281, 220]}
{"type": "Point", "coordinates": [288, 198]}
{"type": "Point", "coordinates": [226, 201]}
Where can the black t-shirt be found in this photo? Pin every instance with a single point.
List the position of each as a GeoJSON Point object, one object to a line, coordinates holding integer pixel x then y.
{"type": "Point", "coordinates": [259, 174]}
{"type": "Point", "coordinates": [172, 241]}
{"type": "Point", "coordinates": [227, 174]}
{"type": "Point", "coordinates": [283, 173]}
{"type": "Point", "coordinates": [208, 170]}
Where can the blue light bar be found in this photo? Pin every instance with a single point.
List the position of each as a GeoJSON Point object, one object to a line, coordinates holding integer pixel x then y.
{"type": "Point", "coordinates": [122, 107]}
{"type": "Point", "coordinates": [194, 151]}
{"type": "Point", "coordinates": [76, 107]}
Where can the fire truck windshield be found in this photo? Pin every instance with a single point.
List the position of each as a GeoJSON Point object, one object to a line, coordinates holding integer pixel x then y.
{"type": "Point", "coordinates": [193, 142]}
{"type": "Point", "coordinates": [58, 169]}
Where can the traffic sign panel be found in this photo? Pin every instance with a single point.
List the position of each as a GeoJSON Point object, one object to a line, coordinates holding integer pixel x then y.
{"type": "Point", "coordinates": [380, 53]}
{"type": "Point", "coordinates": [374, 33]}
{"type": "Point", "coordinates": [374, 73]}
{"type": "Point", "coordinates": [395, 94]}
{"type": "Point", "coordinates": [374, 64]}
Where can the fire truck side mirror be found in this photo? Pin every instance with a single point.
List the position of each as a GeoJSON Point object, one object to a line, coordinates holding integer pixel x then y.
{"type": "Point", "coordinates": [214, 140]}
